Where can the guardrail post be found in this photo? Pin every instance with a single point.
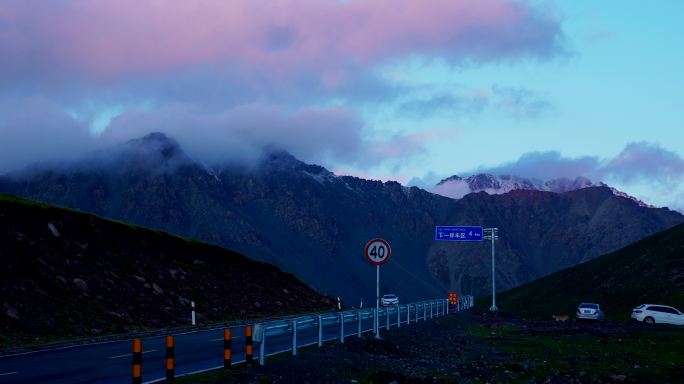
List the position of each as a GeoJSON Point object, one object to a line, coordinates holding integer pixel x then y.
{"type": "Point", "coordinates": [249, 358]}
{"type": "Point", "coordinates": [294, 337]}
{"type": "Point", "coordinates": [320, 330]}
{"type": "Point", "coordinates": [398, 316]}
{"type": "Point", "coordinates": [137, 361]}
{"type": "Point", "coordinates": [424, 312]}
{"type": "Point", "coordinates": [342, 327]}
{"type": "Point", "coordinates": [387, 321]}
{"type": "Point", "coordinates": [170, 358]}
{"type": "Point", "coordinates": [447, 308]}
{"type": "Point", "coordinates": [228, 348]}
{"type": "Point", "coordinates": [358, 315]}
{"type": "Point", "coordinates": [408, 314]}
{"type": "Point", "coordinates": [431, 309]}
{"type": "Point", "coordinates": [262, 349]}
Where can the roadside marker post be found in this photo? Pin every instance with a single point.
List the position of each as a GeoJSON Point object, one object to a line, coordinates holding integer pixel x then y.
{"type": "Point", "coordinates": [170, 358]}
{"type": "Point", "coordinates": [249, 358]}
{"type": "Point", "coordinates": [137, 361]}
{"type": "Point", "coordinates": [192, 306]}
{"type": "Point", "coordinates": [377, 252]}
{"type": "Point", "coordinates": [227, 348]}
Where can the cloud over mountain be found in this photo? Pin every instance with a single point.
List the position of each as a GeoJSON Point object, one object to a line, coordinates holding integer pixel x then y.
{"type": "Point", "coordinates": [637, 162]}
{"type": "Point", "coordinates": [230, 78]}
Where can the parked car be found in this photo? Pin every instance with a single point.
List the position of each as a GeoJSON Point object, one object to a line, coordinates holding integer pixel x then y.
{"type": "Point", "coordinates": [389, 299]}
{"type": "Point", "coordinates": [589, 311]}
{"type": "Point", "coordinates": [656, 313]}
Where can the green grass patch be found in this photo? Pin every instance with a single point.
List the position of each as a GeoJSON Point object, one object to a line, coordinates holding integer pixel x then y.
{"type": "Point", "coordinates": [644, 357]}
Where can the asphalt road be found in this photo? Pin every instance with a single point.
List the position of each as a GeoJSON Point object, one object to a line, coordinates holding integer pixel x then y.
{"type": "Point", "coordinates": [111, 362]}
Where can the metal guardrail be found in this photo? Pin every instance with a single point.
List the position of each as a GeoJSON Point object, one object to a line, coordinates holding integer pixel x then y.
{"type": "Point", "coordinates": [394, 315]}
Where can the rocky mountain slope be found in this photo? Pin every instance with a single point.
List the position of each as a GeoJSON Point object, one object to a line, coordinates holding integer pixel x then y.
{"type": "Point", "coordinates": [485, 182]}
{"type": "Point", "coordinates": [315, 224]}
{"type": "Point", "coordinates": [540, 233]}
{"type": "Point", "coordinates": [648, 271]}
{"type": "Point", "coordinates": [70, 274]}
{"type": "Point", "coordinates": [497, 185]}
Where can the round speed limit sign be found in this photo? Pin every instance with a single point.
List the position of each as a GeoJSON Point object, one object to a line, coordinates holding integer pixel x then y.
{"type": "Point", "coordinates": [378, 251]}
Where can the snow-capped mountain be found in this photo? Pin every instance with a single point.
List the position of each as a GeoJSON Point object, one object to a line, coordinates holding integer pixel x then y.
{"type": "Point", "coordinates": [456, 186]}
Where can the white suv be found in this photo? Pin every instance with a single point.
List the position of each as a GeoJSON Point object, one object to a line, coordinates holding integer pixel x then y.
{"type": "Point", "coordinates": [656, 313]}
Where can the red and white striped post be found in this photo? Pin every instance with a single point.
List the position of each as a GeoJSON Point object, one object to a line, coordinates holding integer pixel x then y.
{"type": "Point", "coordinates": [192, 305]}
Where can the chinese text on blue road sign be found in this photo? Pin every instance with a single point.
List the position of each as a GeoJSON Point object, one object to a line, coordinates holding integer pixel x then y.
{"type": "Point", "coordinates": [458, 233]}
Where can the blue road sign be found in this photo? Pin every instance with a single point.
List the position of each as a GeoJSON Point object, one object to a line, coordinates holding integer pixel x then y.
{"type": "Point", "coordinates": [458, 233]}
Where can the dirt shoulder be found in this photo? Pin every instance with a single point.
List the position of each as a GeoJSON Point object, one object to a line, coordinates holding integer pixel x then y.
{"type": "Point", "coordinates": [477, 346]}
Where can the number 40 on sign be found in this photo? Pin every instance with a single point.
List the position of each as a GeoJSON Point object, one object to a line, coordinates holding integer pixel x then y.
{"type": "Point", "coordinates": [378, 251]}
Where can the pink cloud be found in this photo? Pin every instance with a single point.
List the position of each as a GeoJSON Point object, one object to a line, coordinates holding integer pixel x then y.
{"type": "Point", "coordinates": [107, 40]}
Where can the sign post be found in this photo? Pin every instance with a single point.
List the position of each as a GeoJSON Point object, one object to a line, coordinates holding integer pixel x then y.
{"type": "Point", "coordinates": [460, 233]}
{"type": "Point", "coordinates": [377, 252]}
{"type": "Point", "coordinates": [493, 234]}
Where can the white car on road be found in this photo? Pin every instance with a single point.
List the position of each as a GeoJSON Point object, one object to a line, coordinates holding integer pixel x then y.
{"type": "Point", "coordinates": [389, 299]}
{"type": "Point", "coordinates": [656, 313]}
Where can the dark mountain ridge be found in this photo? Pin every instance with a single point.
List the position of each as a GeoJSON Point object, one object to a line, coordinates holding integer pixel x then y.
{"type": "Point", "coordinates": [71, 274]}
{"type": "Point", "coordinates": [540, 233]}
{"type": "Point", "coordinates": [315, 224]}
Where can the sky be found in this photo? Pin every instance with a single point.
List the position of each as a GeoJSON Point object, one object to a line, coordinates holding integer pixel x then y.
{"type": "Point", "coordinates": [412, 91]}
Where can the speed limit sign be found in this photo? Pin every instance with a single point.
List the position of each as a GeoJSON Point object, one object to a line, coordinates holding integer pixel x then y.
{"type": "Point", "coordinates": [378, 251]}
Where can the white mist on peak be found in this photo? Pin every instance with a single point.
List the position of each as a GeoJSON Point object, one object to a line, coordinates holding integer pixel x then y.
{"type": "Point", "coordinates": [456, 186]}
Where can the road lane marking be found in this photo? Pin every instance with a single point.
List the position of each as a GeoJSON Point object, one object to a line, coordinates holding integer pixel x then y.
{"type": "Point", "coordinates": [221, 339]}
{"type": "Point", "coordinates": [8, 373]}
{"type": "Point", "coordinates": [130, 354]}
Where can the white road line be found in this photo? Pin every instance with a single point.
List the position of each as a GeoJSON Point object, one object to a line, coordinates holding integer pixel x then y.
{"type": "Point", "coordinates": [8, 373]}
{"type": "Point", "coordinates": [221, 339]}
{"type": "Point", "coordinates": [130, 354]}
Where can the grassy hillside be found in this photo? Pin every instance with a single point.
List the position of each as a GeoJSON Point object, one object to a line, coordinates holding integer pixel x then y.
{"type": "Point", "coordinates": [648, 271]}
{"type": "Point", "coordinates": [69, 274]}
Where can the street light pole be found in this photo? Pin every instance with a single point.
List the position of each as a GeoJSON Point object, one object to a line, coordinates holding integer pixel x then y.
{"type": "Point", "coordinates": [492, 234]}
